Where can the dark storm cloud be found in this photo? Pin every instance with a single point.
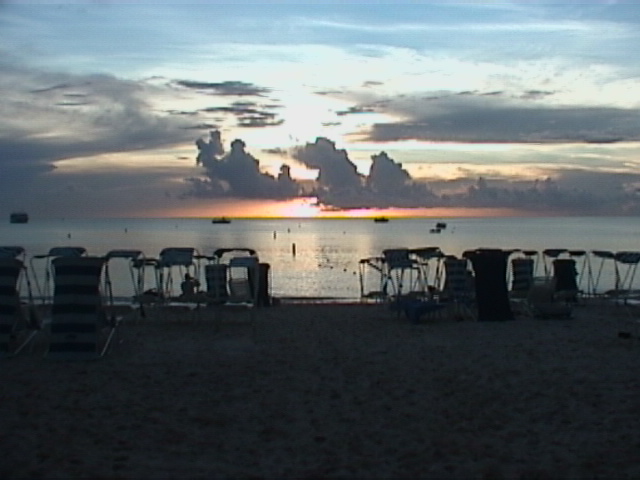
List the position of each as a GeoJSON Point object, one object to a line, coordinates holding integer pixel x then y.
{"type": "Point", "coordinates": [336, 170]}
{"type": "Point", "coordinates": [355, 110]}
{"type": "Point", "coordinates": [237, 173]}
{"type": "Point", "coordinates": [340, 185]}
{"type": "Point", "coordinates": [50, 116]}
{"type": "Point", "coordinates": [247, 115]}
{"type": "Point", "coordinates": [41, 124]}
{"type": "Point", "coordinates": [472, 117]}
{"type": "Point", "coordinates": [257, 121]}
{"type": "Point", "coordinates": [229, 88]}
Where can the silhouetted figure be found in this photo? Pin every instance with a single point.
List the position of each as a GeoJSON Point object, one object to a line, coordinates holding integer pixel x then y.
{"type": "Point", "coordinates": [189, 286]}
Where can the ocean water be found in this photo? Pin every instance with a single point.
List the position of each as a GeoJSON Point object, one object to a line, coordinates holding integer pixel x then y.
{"type": "Point", "coordinates": [321, 257]}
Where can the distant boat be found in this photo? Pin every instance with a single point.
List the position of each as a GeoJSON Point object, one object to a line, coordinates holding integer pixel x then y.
{"type": "Point", "coordinates": [380, 219]}
{"type": "Point", "coordinates": [435, 230]}
{"type": "Point", "coordinates": [441, 225]}
{"type": "Point", "coordinates": [19, 217]}
{"type": "Point", "coordinates": [221, 220]}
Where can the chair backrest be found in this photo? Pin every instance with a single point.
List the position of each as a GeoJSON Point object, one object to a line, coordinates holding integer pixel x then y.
{"type": "Point", "coordinates": [11, 251]}
{"type": "Point", "coordinates": [565, 274]}
{"type": "Point", "coordinates": [177, 257]}
{"type": "Point", "coordinates": [10, 269]}
{"type": "Point", "coordinates": [216, 278]}
{"type": "Point", "coordinates": [76, 314]}
{"type": "Point", "coordinates": [397, 258]}
{"type": "Point", "coordinates": [243, 279]}
{"type": "Point", "coordinates": [522, 275]}
{"type": "Point", "coordinates": [458, 281]}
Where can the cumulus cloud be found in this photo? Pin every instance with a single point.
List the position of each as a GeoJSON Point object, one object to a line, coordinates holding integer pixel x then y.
{"type": "Point", "coordinates": [339, 185]}
{"type": "Point", "coordinates": [336, 170]}
{"type": "Point", "coordinates": [237, 173]}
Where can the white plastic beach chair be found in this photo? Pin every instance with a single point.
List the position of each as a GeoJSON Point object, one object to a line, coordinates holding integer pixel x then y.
{"type": "Point", "coordinates": [235, 281]}
{"type": "Point", "coordinates": [173, 264]}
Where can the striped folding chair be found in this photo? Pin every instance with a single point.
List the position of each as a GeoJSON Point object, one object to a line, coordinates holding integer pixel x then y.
{"type": "Point", "coordinates": [19, 322]}
{"type": "Point", "coordinates": [522, 273]}
{"type": "Point", "coordinates": [80, 329]}
{"type": "Point", "coordinates": [459, 287]}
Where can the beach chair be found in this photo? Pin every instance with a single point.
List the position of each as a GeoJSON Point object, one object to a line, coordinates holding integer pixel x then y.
{"type": "Point", "coordinates": [45, 290]}
{"type": "Point", "coordinates": [80, 328]}
{"type": "Point", "coordinates": [548, 257]}
{"type": "Point", "coordinates": [175, 265]}
{"type": "Point", "coordinates": [241, 269]}
{"type": "Point", "coordinates": [429, 260]}
{"type": "Point", "coordinates": [418, 268]}
{"type": "Point", "coordinates": [402, 273]}
{"type": "Point", "coordinates": [543, 302]}
{"type": "Point", "coordinates": [583, 266]}
{"type": "Point", "coordinates": [402, 278]}
{"type": "Point", "coordinates": [600, 258]}
{"type": "Point", "coordinates": [134, 261]}
{"type": "Point", "coordinates": [522, 273]}
{"type": "Point", "coordinates": [626, 264]}
{"type": "Point", "coordinates": [19, 323]}
{"type": "Point", "coordinates": [459, 287]}
{"type": "Point", "coordinates": [371, 275]}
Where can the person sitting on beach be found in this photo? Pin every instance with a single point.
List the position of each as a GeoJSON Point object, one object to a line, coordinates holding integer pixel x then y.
{"type": "Point", "coordinates": [189, 285]}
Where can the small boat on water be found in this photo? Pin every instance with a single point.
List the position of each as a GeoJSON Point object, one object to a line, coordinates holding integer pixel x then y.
{"type": "Point", "coordinates": [221, 220]}
{"type": "Point", "coordinates": [19, 217]}
{"type": "Point", "coordinates": [438, 228]}
{"type": "Point", "coordinates": [380, 219]}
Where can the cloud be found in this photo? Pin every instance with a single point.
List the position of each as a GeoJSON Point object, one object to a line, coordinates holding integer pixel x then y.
{"type": "Point", "coordinates": [229, 88]}
{"type": "Point", "coordinates": [40, 124]}
{"type": "Point", "coordinates": [247, 115]}
{"type": "Point", "coordinates": [471, 117]}
{"type": "Point", "coordinates": [568, 191]}
{"type": "Point", "coordinates": [237, 173]}
{"type": "Point", "coordinates": [336, 171]}
{"type": "Point", "coordinates": [339, 185]}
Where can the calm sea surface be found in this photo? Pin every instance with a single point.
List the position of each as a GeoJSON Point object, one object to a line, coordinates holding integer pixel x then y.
{"type": "Point", "coordinates": [327, 251]}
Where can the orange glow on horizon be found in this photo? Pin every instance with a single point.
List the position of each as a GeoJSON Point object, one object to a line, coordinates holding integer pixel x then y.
{"type": "Point", "coordinates": [308, 208]}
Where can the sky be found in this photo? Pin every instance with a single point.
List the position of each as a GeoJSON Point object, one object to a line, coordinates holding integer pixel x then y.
{"type": "Point", "coordinates": [354, 108]}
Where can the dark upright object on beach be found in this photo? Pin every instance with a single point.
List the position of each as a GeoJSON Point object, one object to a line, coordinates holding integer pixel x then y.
{"type": "Point", "coordinates": [565, 274]}
{"type": "Point", "coordinates": [492, 295]}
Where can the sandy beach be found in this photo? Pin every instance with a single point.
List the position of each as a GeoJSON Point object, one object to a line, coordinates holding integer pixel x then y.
{"type": "Point", "coordinates": [333, 391]}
